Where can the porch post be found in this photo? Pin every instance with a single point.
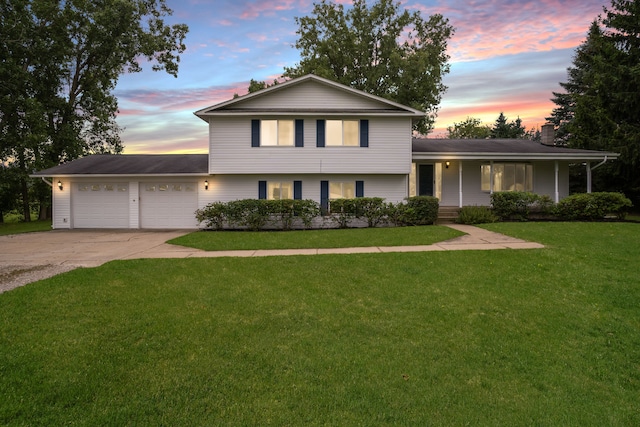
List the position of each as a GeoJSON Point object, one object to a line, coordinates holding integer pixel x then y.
{"type": "Point", "coordinates": [460, 183]}
{"type": "Point", "coordinates": [588, 177]}
{"type": "Point", "coordinates": [557, 173]}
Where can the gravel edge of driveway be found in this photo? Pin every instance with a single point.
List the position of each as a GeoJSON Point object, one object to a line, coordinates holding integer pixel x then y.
{"type": "Point", "coordinates": [14, 276]}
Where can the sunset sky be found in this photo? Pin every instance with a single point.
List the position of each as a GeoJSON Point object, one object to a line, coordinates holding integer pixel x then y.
{"type": "Point", "coordinates": [506, 56]}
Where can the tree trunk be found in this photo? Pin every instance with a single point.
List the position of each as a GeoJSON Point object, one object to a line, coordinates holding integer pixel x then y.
{"type": "Point", "coordinates": [45, 212]}
{"type": "Point", "coordinates": [25, 200]}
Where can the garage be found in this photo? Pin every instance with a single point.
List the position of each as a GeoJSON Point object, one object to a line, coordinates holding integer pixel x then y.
{"type": "Point", "coordinates": [168, 204]}
{"type": "Point", "coordinates": [100, 205]}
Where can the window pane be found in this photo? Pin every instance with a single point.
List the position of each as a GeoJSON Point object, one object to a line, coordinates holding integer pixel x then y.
{"type": "Point", "coordinates": [269, 132]}
{"type": "Point", "coordinates": [520, 177]}
{"type": "Point", "coordinates": [335, 190]}
{"type": "Point", "coordinates": [333, 132]}
{"type": "Point", "coordinates": [286, 190]}
{"type": "Point", "coordinates": [529, 178]}
{"type": "Point", "coordinates": [273, 190]}
{"type": "Point", "coordinates": [485, 173]}
{"type": "Point", "coordinates": [285, 132]}
{"type": "Point", "coordinates": [509, 177]}
{"type": "Point", "coordinates": [351, 132]}
{"type": "Point", "coordinates": [498, 177]}
{"type": "Point", "coordinates": [349, 190]}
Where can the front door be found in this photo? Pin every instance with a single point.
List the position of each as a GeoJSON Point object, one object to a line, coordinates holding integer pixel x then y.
{"type": "Point", "coordinates": [425, 180]}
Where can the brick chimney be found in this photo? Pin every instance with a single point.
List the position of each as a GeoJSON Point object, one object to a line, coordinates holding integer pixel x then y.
{"type": "Point", "coordinates": [548, 134]}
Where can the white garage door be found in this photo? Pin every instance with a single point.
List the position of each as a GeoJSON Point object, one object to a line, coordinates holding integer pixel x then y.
{"type": "Point", "coordinates": [100, 205]}
{"type": "Point", "coordinates": [168, 205]}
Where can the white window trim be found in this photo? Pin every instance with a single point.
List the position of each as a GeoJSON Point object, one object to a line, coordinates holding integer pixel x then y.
{"type": "Point", "coordinates": [271, 184]}
{"type": "Point", "coordinates": [263, 138]}
{"type": "Point", "coordinates": [528, 186]}
{"type": "Point", "coordinates": [331, 142]}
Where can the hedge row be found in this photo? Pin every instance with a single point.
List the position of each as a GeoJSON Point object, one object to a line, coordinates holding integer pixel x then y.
{"type": "Point", "coordinates": [255, 214]}
{"type": "Point", "coordinates": [519, 206]}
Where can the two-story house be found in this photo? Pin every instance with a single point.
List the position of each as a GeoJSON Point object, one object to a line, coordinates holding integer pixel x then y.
{"type": "Point", "coordinates": [307, 138]}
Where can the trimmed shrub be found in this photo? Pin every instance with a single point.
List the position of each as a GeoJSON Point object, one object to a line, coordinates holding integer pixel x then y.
{"type": "Point", "coordinates": [476, 215]}
{"type": "Point", "coordinates": [372, 209]}
{"type": "Point", "coordinates": [517, 205]}
{"type": "Point", "coordinates": [593, 206]}
{"type": "Point", "coordinates": [214, 215]}
{"type": "Point", "coordinates": [420, 210]}
{"type": "Point", "coordinates": [343, 211]}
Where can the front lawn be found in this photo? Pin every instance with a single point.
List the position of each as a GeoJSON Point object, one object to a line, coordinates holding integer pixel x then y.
{"type": "Point", "coordinates": [508, 337]}
{"type": "Point", "coordinates": [305, 239]}
{"type": "Point", "coordinates": [24, 227]}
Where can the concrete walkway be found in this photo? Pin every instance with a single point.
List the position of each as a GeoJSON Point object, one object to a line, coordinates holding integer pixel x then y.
{"type": "Point", "coordinates": [475, 239]}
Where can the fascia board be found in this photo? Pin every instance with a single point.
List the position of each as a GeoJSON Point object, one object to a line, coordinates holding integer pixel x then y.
{"type": "Point", "coordinates": [511, 156]}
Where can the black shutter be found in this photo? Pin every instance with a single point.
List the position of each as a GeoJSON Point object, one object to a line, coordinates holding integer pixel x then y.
{"type": "Point", "coordinates": [364, 133]}
{"type": "Point", "coordinates": [262, 189]}
{"type": "Point", "coordinates": [359, 188]}
{"type": "Point", "coordinates": [324, 197]}
{"type": "Point", "coordinates": [299, 133]}
{"type": "Point", "coordinates": [320, 133]}
{"type": "Point", "coordinates": [297, 190]}
{"type": "Point", "coordinates": [255, 133]}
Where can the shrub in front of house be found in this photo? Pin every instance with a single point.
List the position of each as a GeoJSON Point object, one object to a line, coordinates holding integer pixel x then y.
{"type": "Point", "coordinates": [419, 210]}
{"type": "Point", "coordinates": [475, 215]}
{"type": "Point", "coordinates": [371, 209]}
{"type": "Point", "coordinates": [518, 205]}
{"type": "Point", "coordinates": [593, 206]}
{"type": "Point", "coordinates": [214, 215]}
{"type": "Point", "coordinates": [253, 214]}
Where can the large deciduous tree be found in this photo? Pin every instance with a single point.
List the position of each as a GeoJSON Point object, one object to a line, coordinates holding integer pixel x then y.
{"type": "Point", "coordinates": [378, 49]}
{"type": "Point", "coordinates": [470, 128]}
{"type": "Point", "coordinates": [61, 60]}
{"type": "Point", "coordinates": [601, 106]}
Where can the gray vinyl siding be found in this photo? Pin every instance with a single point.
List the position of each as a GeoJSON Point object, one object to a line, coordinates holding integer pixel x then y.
{"type": "Point", "coordinates": [310, 95]}
{"type": "Point", "coordinates": [389, 150]}
{"type": "Point", "coordinates": [226, 188]}
{"type": "Point", "coordinates": [61, 209]}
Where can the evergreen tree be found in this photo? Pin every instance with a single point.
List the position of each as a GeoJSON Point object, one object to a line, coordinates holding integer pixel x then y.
{"type": "Point", "coordinates": [601, 106]}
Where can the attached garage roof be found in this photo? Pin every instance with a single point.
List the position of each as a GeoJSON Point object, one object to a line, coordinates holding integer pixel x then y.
{"type": "Point", "coordinates": [132, 164]}
{"type": "Point", "coordinates": [499, 149]}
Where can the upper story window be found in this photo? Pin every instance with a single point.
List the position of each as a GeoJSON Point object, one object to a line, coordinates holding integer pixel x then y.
{"type": "Point", "coordinates": [276, 132]}
{"type": "Point", "coordinates": [343, 132]}
{"type": "Point", "coordinates": [508, 177]}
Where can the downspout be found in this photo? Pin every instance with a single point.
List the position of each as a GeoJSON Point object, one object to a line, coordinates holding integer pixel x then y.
{"type": "Point", "coordinates": [591, 169]}
{"type": "Point", "coordinates": [557, 189]}
{"type": "Point", "coordinates": [46, 182]}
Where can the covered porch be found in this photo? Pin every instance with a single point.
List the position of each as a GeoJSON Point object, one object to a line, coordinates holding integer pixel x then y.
{"type": "Point", "coordinates": [466, 172]}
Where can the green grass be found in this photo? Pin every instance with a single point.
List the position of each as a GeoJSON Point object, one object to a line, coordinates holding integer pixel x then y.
{"type": "Point", "coordinates": [301, 239]}
{"type": "Point", "coordinates": [511, 337]}
{"type": "Point", "coordinates": [24, 227]}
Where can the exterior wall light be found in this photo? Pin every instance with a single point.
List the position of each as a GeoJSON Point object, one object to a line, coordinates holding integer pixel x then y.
{"type": "Point", "coordinates": [60, 185]}
{"type": "Point", "coordinates": [446, 164]}
{"type": "Point", "coordinates": [206, 184]}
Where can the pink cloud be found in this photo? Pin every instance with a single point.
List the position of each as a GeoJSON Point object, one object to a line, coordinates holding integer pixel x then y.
{"type": "Point", "coordinates": [269, 8]}
{"type": "Point", "coordinates": [487, 28]}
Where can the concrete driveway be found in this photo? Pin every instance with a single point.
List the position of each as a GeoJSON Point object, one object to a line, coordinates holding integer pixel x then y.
{"type": "Point", "coordinates": [84, 248]}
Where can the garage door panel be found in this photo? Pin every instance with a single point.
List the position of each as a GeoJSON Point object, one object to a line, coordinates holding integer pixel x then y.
{"type": "Point", "coordinates": [168, 205]}
{"type": "Point", "coordinates": [100, 205]}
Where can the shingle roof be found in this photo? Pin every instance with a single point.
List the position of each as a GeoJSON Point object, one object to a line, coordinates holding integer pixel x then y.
{"type": "Point", "coordinates": [500, 148]}
{"type": "Point", "coordinates": [133, 164]}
